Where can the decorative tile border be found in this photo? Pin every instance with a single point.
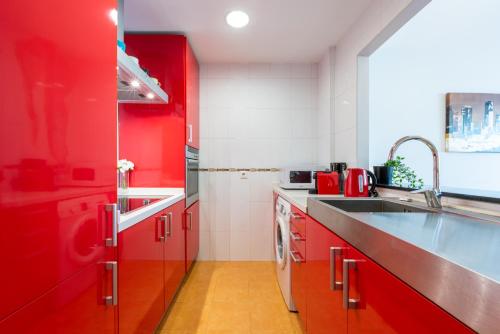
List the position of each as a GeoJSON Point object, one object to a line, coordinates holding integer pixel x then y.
{"type": "Point", "coordinates": [273, 170]}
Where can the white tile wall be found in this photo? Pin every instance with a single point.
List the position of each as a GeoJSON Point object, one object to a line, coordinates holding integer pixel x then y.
{"type": "Point", "coordinates": [251, 116]}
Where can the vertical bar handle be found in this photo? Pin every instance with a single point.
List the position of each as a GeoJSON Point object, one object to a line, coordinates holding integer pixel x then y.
{"type": "Point", "coordinates": [190, 215]}
{"type": "Point", "coordinates": [169, 230]}
{"type": "Point", "coordinates": [190, 131]}
{"type": "Point", "coordinates": [113, 299]}
{"type": "Point", "coordinates": [348, 302]}
{"type": "Point", "coordinates": [334, 252]}
{"type": "Point", "coordinates": [162, 234]}
{"type": "Point", "coordinates": [115, 212]}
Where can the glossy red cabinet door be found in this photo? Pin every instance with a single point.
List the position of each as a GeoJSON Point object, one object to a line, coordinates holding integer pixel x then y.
{"type": "Point", "coordinates": [141, 287]}
{"type": "Point", "coordinates": [298, 261]}
{"type": "Point", "coordinates": [325, 252]}
{"type": "Point", "coordinates": [57, 161]}
{"type": "Point", "coordinates": [174, 251]}
{"type": "Point", "coordinates": [192, 226]}
{"type": "Point", "coordinates": [192, 99]}
{"type": "Point", "coordinates": [387, 305]}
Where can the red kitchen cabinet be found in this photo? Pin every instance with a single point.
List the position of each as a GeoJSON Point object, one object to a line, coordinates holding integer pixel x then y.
{"type": "Point", "coordinates": [57, 166]}
{"type": "Point", "coordinates": [192, 99]}
{"type": "Point", "coordinates": [141, 281]}
{"type": "Point", "coordinates": [164, 127]}
{"type": "Point", "coordinates": [298, 255]}
{"type": "Point", "coordinates": [349, 293]}
{"type": "Point", "coordinates": [325, 252]}
{"type": "Point", "coordinates": [192, 227]}
{"type": "Point", "coordinates": [381, 303]}
{"type": "Point", "coordinates": [174, 250]}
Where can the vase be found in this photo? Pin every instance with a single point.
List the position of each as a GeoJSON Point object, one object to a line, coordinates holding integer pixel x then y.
{"type": "Point", "coordinates": [123, 179]}
{"type": "Point", "coordinates": [383, 174]}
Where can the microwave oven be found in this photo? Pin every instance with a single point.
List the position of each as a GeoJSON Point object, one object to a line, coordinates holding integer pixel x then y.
{"type": "Point", "coordinates": [298, 177]}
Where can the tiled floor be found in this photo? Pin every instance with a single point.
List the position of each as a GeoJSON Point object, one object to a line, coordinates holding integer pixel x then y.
{"type": "Point", "coordinates": [231, 297]}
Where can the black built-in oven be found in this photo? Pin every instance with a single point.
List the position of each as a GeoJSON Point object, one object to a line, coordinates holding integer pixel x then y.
{"type": "Point", "coordinates": [192, 166]}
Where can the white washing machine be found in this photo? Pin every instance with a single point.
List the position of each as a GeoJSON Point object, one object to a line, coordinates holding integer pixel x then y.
{"type": "Point", "coordinates": [281, 248]}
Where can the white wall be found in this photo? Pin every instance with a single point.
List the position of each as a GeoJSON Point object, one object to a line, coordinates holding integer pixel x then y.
{"type": "Point", "coordinates": [252, 116]}
{"type": "Point", "coordinates": [450, 46]}
{"type": "Point", "coordinates": [369, 27]}
{"type": "Point", "coordinates": [326, 79]}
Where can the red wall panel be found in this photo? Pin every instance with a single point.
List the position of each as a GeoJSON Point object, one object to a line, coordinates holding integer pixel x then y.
{"type": "Point", "coordinates": [153, 136]}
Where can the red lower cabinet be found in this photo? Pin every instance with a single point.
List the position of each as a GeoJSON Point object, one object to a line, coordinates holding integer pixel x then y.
{"type": "Point", "coordinates": [141, 286]}
{"type": "Point", "coordinates": [349, 293]}
{"type": "Point", "coordinates": [174, 249]}
{"type": "Point", "coordinates": [298, 256]}
{"type": "Point", "coordinates": [192, 227]}
{"type": "Point", "coordinates": [325, 252]}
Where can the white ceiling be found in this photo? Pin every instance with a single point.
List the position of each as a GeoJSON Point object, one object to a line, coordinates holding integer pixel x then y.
{"type": "Point", "coordinates": [279, 30]}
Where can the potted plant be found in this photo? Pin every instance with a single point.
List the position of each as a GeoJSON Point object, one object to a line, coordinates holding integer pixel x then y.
{"type": "Point", "coordinates": [401, 175]}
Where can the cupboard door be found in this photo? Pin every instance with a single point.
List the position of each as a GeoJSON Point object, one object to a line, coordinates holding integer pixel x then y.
{"type": "Point", "coordinates": [141, 286]}
{"type": "Point", "coordinates": [192, 226]}
{"type": "Point", "coordinates": [174, 251]}
{"type": "Point", "coordinates": [299, 279]}
{"type": "Point", "coordinates": [381, 303]}
{"type": "Point", "coordinates": [192, 99]}
{"type": "Point", "coordinates": [325, 252]}
{"type": "Point", "coordinates": [58, 151]}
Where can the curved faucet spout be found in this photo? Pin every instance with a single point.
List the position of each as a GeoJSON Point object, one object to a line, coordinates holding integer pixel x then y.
{"type": "Point", "coordinates": [435, 160]}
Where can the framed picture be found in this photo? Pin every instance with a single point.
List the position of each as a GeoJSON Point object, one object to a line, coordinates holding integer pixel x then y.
{"type": "Point", "coordinates": [472, 122]}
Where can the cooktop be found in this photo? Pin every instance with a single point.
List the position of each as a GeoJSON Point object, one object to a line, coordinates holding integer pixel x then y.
{"type": "Point", "coordinates": [128, 204]}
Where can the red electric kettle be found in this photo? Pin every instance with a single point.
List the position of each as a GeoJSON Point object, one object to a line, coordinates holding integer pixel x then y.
{"type": "Point", "coordinates": [357, 183]}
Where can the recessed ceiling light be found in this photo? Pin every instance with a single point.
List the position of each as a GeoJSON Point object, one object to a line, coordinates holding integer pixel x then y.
{"type": "Point", "coordinates": [135, 83]}
{"type": "Point", "coordinates": [237, 19]}
{"type": "Point", "coordinates": [150, 96]}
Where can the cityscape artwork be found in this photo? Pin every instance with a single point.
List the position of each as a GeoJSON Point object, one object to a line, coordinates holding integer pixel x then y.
{"type": "Point", "coordinates": [472, 122]}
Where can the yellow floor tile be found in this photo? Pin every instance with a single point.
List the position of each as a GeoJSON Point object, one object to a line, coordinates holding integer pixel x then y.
{"type": "Point", "coordinates": [231, 298]}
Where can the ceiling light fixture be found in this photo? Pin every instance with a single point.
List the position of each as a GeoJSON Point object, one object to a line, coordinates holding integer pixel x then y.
{"type": "Point", "coordinates": [135, 83]}
{"type": "Point", "coordinates": [150, 96]}
{"type": "Point", "coordinates": [237, 19]}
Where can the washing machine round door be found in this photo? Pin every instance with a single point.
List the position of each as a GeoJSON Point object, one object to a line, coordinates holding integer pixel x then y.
{"type": "Point", "coordinates": [281, 242]}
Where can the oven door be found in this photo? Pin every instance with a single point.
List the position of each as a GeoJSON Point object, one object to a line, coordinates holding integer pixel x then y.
{"type": "Point", "coordinates": [192, 165]}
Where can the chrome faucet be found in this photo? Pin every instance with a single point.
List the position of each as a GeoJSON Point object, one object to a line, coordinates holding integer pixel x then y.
{"type": "Point", "coordinates": [432, 196]}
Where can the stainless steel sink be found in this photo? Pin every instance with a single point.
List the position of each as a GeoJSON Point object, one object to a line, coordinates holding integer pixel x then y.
{"type": "Point", "coordinates": [372, 205]}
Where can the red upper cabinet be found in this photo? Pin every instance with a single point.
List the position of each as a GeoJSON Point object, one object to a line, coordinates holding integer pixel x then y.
{"type": "Point", "coordinates": [325, 252]}
{"type": "Point", "coordinates": [174, 251]}
{"type": "Point", "coordinates": [192, 227]}
{"type": "Point", "coordinates": [162, 128]}
{"type": "Point", "coordinates": [192, 99]}
{"type": "Point", "coordinates": [58, 163]}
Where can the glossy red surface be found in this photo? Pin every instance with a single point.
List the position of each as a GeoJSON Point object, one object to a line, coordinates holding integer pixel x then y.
{"type": "Point", "coordinates": [154, 136]}
{"type": "Point", "coordinates": [58, 165]}
{"type": "Point", "coordinates": [325, 314]}
{"type": "Point", "coordinates": [192, 233]}
{"type": "Point", "coordinates": [174, 252]}
{"type": "Point", "coordinates": [390, 306]}
{"type": "Point", "coordinates": [192, 98]}
{"type": "Point", "coordinates": [328, 183]}
{"type": "Point", "coordinates": [299, 269]}
{"type": "Point", "coordinates": [141, 285]}
{"type": "Point", "coordinates": [356, 183]}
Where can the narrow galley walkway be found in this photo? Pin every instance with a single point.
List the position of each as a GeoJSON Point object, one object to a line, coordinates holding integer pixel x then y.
{"type": "Point", "coordinates": [231, 298]}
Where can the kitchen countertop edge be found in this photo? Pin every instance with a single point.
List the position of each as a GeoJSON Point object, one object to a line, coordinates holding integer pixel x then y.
{"type": "Point", "coordinates": [132, 218]}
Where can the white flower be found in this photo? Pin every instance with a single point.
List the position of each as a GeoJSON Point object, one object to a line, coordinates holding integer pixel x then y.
{"type": "Point", "coordinates": [125, 165]}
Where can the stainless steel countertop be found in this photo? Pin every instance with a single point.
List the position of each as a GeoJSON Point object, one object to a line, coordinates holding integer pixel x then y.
{"type": "Point", "coordinates": [451, 259]}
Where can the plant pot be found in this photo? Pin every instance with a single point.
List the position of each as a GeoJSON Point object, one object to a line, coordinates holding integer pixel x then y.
{"type": "Point", "coordinates": [383, 174]}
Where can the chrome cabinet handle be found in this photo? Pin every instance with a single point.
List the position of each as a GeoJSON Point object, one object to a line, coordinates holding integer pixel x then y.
{"type": "Point", "coordinates": [334, 251]}
{"type": "Point", "coordinates": [162, 236]}
{"type": "Point", "coordinates": [190, 215]}
{"type": "Point", "coordinates": [113, 299]}
{"type": "Point", "coordinates": [190, 130]}
{"type": "Point", "coordinates": [295, 259]}
{"type": "Point", "coordinates": [113, 208]}
{"type": "Point", "coordinates": [169, 230]}
{"type": "Point", "coordinates": [296, 216]}
{"type": "Point", "coordinates": [296, 237]}
{"type": "Point", "coordinates": [348, 302]}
